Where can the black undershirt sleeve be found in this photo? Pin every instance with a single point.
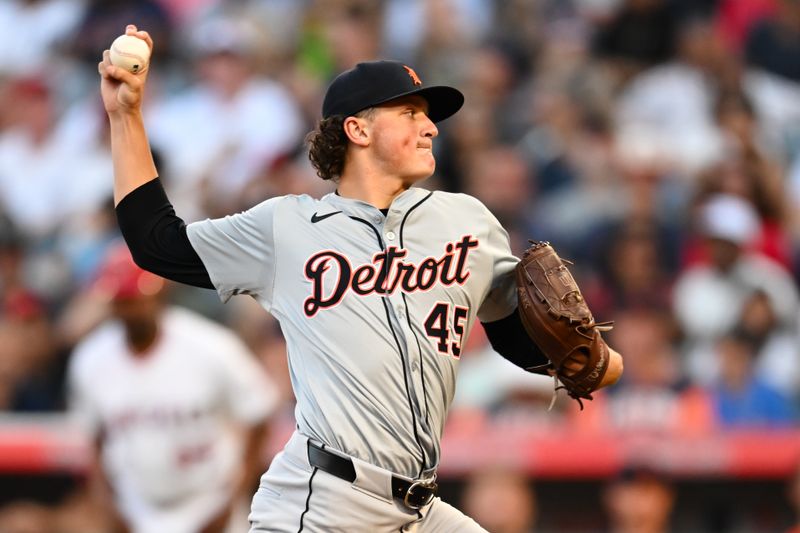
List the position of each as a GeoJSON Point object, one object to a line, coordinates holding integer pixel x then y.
{"type": "Point", "coordinates": [157, 238]}
{"type": "Point", "coordinates": [509, 338]}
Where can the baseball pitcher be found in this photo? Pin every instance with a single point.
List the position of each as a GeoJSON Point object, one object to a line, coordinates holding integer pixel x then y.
{"type": "Point", "coordinates": [376, 288]}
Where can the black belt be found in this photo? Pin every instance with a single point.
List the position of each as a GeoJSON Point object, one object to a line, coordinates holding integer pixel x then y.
{"type": "Point", "coordinates": [414, 494]}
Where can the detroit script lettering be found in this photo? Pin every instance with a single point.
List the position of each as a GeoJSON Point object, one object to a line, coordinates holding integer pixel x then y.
{"type": "Point", "coordinates": [386, 273]}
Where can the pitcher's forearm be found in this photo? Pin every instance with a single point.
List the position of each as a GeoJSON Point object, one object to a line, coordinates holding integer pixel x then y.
{"type": "Point", "coordinates": [615, 368]}
{"type": "Point", "coordinates": [130, 150]}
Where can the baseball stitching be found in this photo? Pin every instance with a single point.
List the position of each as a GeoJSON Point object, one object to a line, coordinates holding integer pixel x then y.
{"type": "Point", "coordinates": [134, 56]}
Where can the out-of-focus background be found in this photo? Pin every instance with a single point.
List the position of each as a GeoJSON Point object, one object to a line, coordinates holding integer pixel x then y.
{"type": "Point", "coordinates": [656, 143]}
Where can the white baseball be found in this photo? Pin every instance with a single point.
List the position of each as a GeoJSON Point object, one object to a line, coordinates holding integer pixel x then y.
{"type": "Point", "coordinates": [130, 53]}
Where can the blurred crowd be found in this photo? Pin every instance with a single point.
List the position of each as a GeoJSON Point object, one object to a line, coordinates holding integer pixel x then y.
{"type": "Point", "coordinates": [655, 143]}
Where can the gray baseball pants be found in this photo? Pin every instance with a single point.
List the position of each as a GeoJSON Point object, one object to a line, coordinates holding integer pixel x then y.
{"type": "Point", "coordinates": [295, 497]}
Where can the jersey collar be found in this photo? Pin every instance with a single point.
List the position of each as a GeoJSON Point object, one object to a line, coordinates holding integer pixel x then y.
{"type": "Point", "coordinates": [351, 206]}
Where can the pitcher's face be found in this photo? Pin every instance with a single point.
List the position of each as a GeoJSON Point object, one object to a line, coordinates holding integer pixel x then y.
{"type": "Point", "coordinates": [402, 138]}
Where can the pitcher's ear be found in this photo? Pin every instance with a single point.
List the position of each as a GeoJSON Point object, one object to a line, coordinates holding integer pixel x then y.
{"type": "Point", "coordinates": [357, 130]}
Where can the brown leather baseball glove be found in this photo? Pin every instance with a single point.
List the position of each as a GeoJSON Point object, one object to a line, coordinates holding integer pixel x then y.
{"type": "Point", "coordinates": [558, 320]}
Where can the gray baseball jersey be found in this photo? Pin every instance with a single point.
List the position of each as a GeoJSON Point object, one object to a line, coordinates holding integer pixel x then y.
{"type": "Point", "coordinates": [374, 308]}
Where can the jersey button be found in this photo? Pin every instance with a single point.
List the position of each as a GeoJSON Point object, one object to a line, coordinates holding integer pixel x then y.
{"type": "Point", "coordinates": [390, 235]}
{"type": "Point", "coordinates": [415, 366]}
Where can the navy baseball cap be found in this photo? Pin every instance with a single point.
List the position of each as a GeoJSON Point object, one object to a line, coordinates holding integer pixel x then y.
{"type": "Point", "coordinates": [376, 82]}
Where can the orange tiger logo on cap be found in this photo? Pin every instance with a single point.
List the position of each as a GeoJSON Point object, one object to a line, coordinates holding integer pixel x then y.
{"type": "Point", "coordinates": [413, 75]}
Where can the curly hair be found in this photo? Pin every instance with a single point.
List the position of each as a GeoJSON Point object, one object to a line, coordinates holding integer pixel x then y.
{"type": "Point", "coordinates": [327, 145]}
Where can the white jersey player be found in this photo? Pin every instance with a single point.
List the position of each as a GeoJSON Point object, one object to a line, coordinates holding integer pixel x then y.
{"type": "Point", "coordinates": [177, 402]}
{"type": "Point", "coordinates": [376, 288]}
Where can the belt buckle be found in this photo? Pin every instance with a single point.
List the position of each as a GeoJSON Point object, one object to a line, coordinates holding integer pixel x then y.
{"type": "Point", "coordinates": [424, 483]}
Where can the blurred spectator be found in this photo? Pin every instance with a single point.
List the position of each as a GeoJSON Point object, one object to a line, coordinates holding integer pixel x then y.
{"type": "Point", "coordinates": [184, 12]}
{"type": "Point", "coordinates": [26, 517]}
{"type": "Point", "coordinates": [83, 240]}
{"type": "Point", "coordinates": [12, 367]}
{"type": "Point", "coordinates": [670, 107]}
{"type": "Point", "coordinates": [33, 32]}
{"type": "Point", "coordinates": [73, 515]}
{"type": "Point", "coordinates": [498, 75]}
{"type": "Point", "coordinates": [793, 495]}
{"type": "Point", "coordinates": [570, 149]}
{"type": "Point", "coordinates": [750, 172]}
{"type": "Point", "coordinates": [84, 123]}
{"type": "Point", "coordinates": [77, 514]}
{"type": "Point", "coordinates": [736, 115]}
{"type": "Point", "coordinates": [709, 298]}
{"type": "Point", "coordinates": [774, 42]}
{"type": "Point", "coordinates": [634, 264]}
{"type": "Point", "coordinates": [776, 345]}
{"type": "Point", "coordinates": [12, 254]}
{"type": "Point", "coordinates": [53, 183]}
{"type": "Point", "coordinates": [471, 131]}
{"type": "Point", "coordinates": [501, 500]}
{"type": "Point", "coordinates": [501, 178]}
{"type": "Point", "coordinates": [777, 104]}
{"type": "Point", "coordinates": [639, 500]}
{"type": "Point", "coordinates": [32, 159]}
{"type": "Point", "coordinates": [794, 197]}
{"type": "Point", "coordinates": [350, 29]}
{"type": "Point", "coordinates": [560, 130]}
{"type": "Point", "coordinates": [287, 174]}
{"type": "Point", "coordinates": [653, 394]}
{"type": "Point", "coordinates": [66, 176]}
{"type": "Point", "coordinates": [640, 34]}
{"type": "Point", "coordinates": [743, 127]}
{"type": "Point", "coordinates": [741, 398]}
{"type": "Point", "coordinates": [11, 283]}
{"type": "Point", "coordinates": [701, 8]}
{"type": "Point", "coordinates": [261, 332]}
{"type": "Point", "coordinates": [281, 22]}
{"type": "Point", "coordinates": [179, 414]}
{"type": "Point", "coordinates": [524, 22]}
{"type": "Point", "coordinates": [738, 178]}
{"type": "Point", "coordinates": [257, 121]}
{"type": "Point", "coordinates": [429, 31]}
{"type": "Point", "coordinates": [32, 345]}
{"type": "Point", "coordinates": [735, 18]}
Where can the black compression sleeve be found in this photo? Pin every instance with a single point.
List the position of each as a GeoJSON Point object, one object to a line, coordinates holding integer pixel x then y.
{"type": "Point", "coordinates": [157, 237]}
{"type": "Point", "coordinates": [509, 338]}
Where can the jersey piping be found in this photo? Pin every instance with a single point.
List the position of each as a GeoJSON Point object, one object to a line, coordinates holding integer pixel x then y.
{"type": "Point", "coordinates": [421, 361]}
{"type": "Point", "coordinates": [400, 351]}
{"type": "Point", "coordinates": [408, 316]}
